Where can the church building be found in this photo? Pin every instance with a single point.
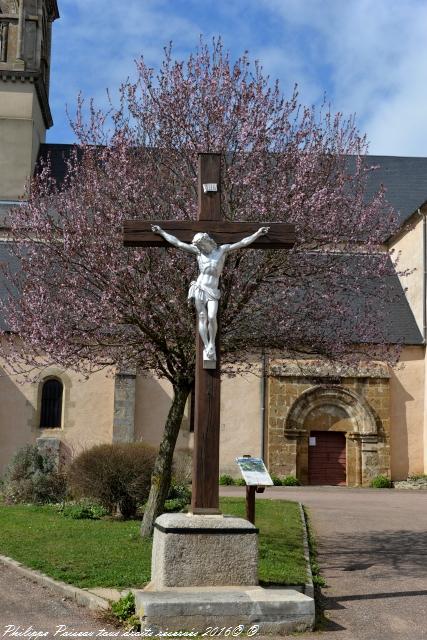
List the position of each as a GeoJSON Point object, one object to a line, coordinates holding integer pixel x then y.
{"type": "Point", "coordinates": [323, 424]}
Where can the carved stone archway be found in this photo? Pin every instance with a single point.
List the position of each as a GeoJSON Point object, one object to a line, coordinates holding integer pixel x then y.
{"type": "Point", "coordinates": [312, 395]}
{"type": "Point", "coordinates": [357, 407]}
{"type": "Point", "coordinates": [354, 406]}
{"type": "Point", "coordinates": [360, 429]}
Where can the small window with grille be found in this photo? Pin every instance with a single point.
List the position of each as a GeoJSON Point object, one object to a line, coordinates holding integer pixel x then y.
{"type": "Point", "coordinates": [51, 404]}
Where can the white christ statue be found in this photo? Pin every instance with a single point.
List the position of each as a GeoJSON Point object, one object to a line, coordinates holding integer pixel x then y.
{"type": "Point", "coordinates": [205, 290]}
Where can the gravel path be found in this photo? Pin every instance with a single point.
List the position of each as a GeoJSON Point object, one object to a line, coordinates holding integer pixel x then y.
{"type": "Point", "coordinates": [24, 604]}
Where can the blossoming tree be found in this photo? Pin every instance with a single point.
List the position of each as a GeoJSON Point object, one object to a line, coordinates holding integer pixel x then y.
{"type": "Point", "coordinates": [83, 301]}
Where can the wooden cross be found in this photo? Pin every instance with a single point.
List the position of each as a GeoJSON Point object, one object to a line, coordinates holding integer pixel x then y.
{"type": "Point", "coordinates": [138, 233]}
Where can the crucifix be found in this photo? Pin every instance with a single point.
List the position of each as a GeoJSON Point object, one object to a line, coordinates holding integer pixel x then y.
{"type": "Point", "coordinates": [194, 237]}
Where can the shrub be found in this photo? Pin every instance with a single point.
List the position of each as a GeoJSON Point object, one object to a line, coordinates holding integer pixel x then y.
{"type": "Point", "coordinates": [226, 480]}
{"type": "Point", "coordinates": [115, 475]}
{"type": "Point", "coordinates": [179, 497]}
{"type": "Point", "coordinates": [276, 480]}
{"type": "Point", "coordinates": [240, 482]}
{"type": "Point", "coordinates": [381, 482]}
{"type": "Point", "coordinates": [417, 476]}
{"type": "Point", "coordinates": [33, 477]}
{"type": "Point", "coordinates": [179, 491]}
{"type": "Point", "coordinates": [290, 481]}
{"type": "Point", "coordinates": [124, 610]}
{"type": "Point", "coordinates": [83, 510]}
{"type": "Point", "coordinates": [174, 505]}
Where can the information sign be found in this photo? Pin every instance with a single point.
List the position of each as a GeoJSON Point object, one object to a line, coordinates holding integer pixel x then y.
{"type": "Point", "coordinates": [254, 472]}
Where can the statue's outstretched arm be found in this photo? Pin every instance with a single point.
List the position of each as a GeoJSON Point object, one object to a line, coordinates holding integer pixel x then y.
{"type": "Point", "coordinates": [262, 231]}
{"type": "Point", "coordinates": [190, 248]}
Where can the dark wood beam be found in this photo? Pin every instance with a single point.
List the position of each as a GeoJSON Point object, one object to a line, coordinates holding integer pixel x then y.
{"type": "Point", "coordinates": [205, 489]}
{"type": "Point", "coordinates": [137, 233]}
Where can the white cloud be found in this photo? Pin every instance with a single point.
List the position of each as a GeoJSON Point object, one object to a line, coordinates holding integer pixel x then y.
{"type": "Point", "coordinates": [370, 56]}
{"type": "Point", "coordinates": [376, 55]}
{"type": "Point", "coordinates": [94, 48]}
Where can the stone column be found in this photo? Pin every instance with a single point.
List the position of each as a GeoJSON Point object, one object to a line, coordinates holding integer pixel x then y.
{"type": "Point", "coordinates": [296, 449]}
{"type": "Point", "coordinates": [354, 459]}
{"type": "Point", "coordinates": [124, 407]}
{"type": "Point", "coordinates": [370, 466]}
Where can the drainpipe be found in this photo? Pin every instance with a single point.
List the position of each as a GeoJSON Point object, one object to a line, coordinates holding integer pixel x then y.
{"type": "Point", "coordinates": [424, 275]}
{"type": "Point", "coordinates": [21, 26]}
{"type": "Point", "coordinates": [263, 385]}
{"type": "Point", "coordinates": [424, 307]}
{"type": "Point", "coordinates": [4, 41]}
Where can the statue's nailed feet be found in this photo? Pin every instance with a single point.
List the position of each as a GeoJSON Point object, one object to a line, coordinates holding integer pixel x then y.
{"type": "Point", "coordinates": [209, 353]}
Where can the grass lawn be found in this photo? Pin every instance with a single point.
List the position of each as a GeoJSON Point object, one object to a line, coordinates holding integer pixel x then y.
{"type": "Point", "coordinates": [105, 553]}
{"type": "Point", "coordinates": [281, 553]}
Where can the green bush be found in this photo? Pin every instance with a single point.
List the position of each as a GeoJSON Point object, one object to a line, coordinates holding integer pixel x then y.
{"type": "Point", "coordinates": [116, 475]}
{"type": "Point", "coordinates": [124, 610]}
{"type": "Point", "coordinates": [381, 482]}
{"type": "Point", "coordinates": [276, 480]}
{"type": "Point", "coordinates": [290, 481]}
{"type": "Point", "coordinates": [83, 510]}
{"type": "Point", "coordinates": [180, 492]}
{"type": "Point", "coordinates": [226, 480]}
{"type": "Point", "coordinates": [125, 607]}
{"type": "Point", "coordinates": [33, 477]}
{"type": "Point", "coordinates": [174, 505]}
{"type": "Point", "coordinates": [240, 482]}
{"type": "Point", "coordinates": [179, 497]}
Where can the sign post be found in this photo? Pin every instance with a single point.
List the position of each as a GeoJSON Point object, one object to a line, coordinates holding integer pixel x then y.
{"type": "Point", "coordinates": [257, 478]}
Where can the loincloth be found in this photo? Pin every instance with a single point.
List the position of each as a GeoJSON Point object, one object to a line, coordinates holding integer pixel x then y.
{"type": "Point", "coordinates": [203, 293]}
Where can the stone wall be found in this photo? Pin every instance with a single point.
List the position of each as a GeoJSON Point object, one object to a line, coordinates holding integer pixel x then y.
{"type": "Point", "coordinates": [308, 396]}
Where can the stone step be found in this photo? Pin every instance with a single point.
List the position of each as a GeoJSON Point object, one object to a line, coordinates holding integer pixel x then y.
{"type": "Point", "coordinates": [196, 609]}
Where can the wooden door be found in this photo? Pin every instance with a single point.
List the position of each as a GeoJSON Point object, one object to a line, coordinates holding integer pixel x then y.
{"type": "Point", "coordinates": [327, 458]}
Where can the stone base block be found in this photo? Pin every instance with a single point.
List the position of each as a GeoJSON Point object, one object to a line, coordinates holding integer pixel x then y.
{"type": "Point", "coordinates": [203, 550]}
{"type": "Point", "coordinates": [258, 610]}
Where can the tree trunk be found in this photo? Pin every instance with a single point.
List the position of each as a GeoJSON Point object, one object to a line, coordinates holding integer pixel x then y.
{"type": "Point", "coordinates": [161, 476]}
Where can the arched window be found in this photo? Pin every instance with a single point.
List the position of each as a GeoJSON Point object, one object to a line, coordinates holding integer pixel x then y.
{"type": "Point", "coordinates": [51, 409]}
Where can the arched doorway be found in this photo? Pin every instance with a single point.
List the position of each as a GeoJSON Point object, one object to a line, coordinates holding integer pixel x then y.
{"type": "Point", "coordinates": [329, 426]}
{"type": "Point", "coordinates": [326, 426]}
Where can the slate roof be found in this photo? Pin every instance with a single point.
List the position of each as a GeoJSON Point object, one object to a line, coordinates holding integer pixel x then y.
{"type": "Point", "coordinates": [404, 178]}
{"type": "Point", "coordinates": [393, 315]}
{"type": "Point", "coordinates": [406, 182]}
{"type": "Point", "coordinates": [4, 213]}
{"type": "Point", "coordinates": [397, 325]}
{"type": "Point", "coordinates": [58, 155]}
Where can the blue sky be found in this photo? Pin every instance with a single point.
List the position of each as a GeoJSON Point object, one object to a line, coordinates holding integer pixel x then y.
{"type": "Point", "coordinates": [368, 56]}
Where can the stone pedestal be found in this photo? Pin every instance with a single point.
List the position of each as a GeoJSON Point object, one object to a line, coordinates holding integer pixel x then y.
{"type": "Point", "coordinates": [205, 575]}
{"type": "Point", "coordinates": [202, 550]}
